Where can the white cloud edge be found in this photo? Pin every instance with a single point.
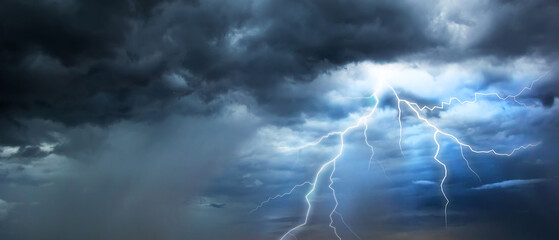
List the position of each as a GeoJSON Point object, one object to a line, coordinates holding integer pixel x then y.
{"type": "Point", "coordinates": [509, 183]}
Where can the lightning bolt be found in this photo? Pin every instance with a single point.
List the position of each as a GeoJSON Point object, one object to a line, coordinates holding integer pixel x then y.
{"type": "Point", "coordinates": [476, 94]}
{"type": "Point", "coordinates": [363, 121]}
{"type": "Point", "coordinates": [280, 196]}
{"type": "Point", "coordinates": [347, 226]}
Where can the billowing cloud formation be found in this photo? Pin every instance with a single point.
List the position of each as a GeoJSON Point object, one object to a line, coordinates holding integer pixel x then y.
{"type": "Point", "coordinates": [122, 60]}
{"type": "Point", "coordinates": [148, 119]}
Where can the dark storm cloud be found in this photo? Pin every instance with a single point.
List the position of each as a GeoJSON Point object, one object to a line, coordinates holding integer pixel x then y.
{"type": "Point", "coordinates": [100, 61]}
{"type": "Point", "coordinates": [519, 28]}
{"type": "Point", "coordinates": [62, 60]}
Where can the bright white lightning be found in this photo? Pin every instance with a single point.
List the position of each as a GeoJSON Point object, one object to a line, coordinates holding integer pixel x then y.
{"type": "Point", "coordinates": [363, 121]}
{"type": "Point", "coordinates": [476, 94]}
{"type": "Point", "coordinates": [279, 196]}
{"type": "Point", "coordinates": [444, 178]}
{"type": "Point", "coordinates": [293, 236]}
{"type": "Point", "coordinates": [468, 163]}
{"type": "Point", "coordinates": [324, 166]}
{"type": "Point", "coordinates": [369, 145]}
{"type": "Point", "coordinates": [347, 226]}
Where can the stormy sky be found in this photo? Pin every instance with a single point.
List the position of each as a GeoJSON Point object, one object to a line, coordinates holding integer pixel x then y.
{"type": "Point", "coordinates": [146, 119]}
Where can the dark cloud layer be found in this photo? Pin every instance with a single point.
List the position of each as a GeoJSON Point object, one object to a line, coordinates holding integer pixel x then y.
{"type": "Point", "coordinates": [521, 28]}
{"type": "Point", "coordinates": [95, 61]}
{"type": "Point", "coordinates": [98, 62]}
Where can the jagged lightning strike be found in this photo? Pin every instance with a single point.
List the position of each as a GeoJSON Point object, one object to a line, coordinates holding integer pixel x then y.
{"type": "Point", "coordinates": [363, 121]}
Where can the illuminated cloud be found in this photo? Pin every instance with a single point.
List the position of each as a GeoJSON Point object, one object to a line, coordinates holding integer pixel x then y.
{"type": "Point", "coordinates": [424, 182]}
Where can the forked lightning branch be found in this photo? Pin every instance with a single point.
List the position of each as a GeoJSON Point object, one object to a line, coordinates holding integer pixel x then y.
{"type": "Point", "coordinates": [382, 89]}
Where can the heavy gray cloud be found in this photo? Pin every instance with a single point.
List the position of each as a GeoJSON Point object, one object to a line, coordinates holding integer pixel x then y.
{"type": "Point", "coordinates": [121, 60]}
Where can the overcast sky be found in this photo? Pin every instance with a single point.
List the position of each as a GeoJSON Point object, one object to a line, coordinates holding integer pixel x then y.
{"type": "Point", "coordinates": [146, 119]}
